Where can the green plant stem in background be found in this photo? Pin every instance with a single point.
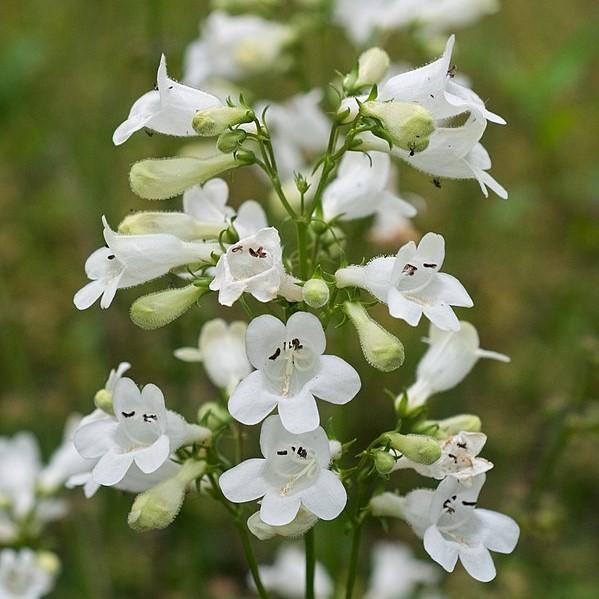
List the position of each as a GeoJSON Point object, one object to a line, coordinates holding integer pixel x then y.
{"type": "Point", "coordinates": [353, 560]}
{"type": "Point", "coordinates": [310, 563]}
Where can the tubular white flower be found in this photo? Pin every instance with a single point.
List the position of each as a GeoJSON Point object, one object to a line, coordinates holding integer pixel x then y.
{"type": "Point", "coordinates": [459, 458]}
{"type": "Point", "coordinates": [300, 525]}
{"type": "Point", "coordinates": [410, 283]}
{"type": "Point", "coordinates": [208, 203]}
{"type": "Point", "coordinates": [141, 433]}
{"type": "Point", "coordinates": [235, 47]}
{"type": "Point", "coordinates": [361, 188]}
{"type": "Point", "coordinates": [453, 528]}
{"type": "Point", "coordinates": [254, 265]}
{"type": "Point", "coordinates": [168, 109]}
{"type": "Point", "coordinates": [135, 259]}
{"type": "Point", "coordinates": [291, 372]}
{"type": "Point", "coordinates": [452, 152]}
{"type": "Point", "coordinates": [438, 16]}
{"type": "Point", "coordinates": [103, 398]}
{"type": "Point", "coordinates": [25, 574]}
{"type": "Point", "coordinates": [293, 473]}
{"type": "Point", "coordinates": [287, 576]}
{"type": "Point", "coordinates": [396, 573]}
{"type": "Point", "coordinates": [450, 357]}
{"type": "Point", "coordinates": [221, 348]}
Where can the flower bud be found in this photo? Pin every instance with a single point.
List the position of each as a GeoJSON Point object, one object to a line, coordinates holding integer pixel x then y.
{"type": "Point", "coordinates": [421, 449]}
{"type": "Point", "coordinates": [467, 423]}
{"type": "Point", "coordinates": [335, 449]}
{"type": "Point", "coordinates": [49, 562]}
{"type": "Point", "coordinates": [381, 349]}
{"type": "Point", "coordinates": [408, 124]}
{"type": "Point", "coordinates": [213, 121]}
{"type": "Point", "coordinates": [387, 505]}
{"type": "Point", "coordinates": [179, 224]}
{"type": "Point", "coordinates": [315, 293]}
{"type": "Point", "coordinates": [300, 525]}
{"type": "Point", "coordinates": [213, 415]}
{"type": "Point", "coordinates": [383, 462]}
{"type": "Point", "coordinates": [103, 401]}
{"type": "Point", "coordinates": [158, 507]}
{"type": "Point", "coordinates": [164, 178]}
{"type": "Point", "coordinates": [372, 66]}
{"type": "Point", "coordinates": [230, 141]}
{"type": "Point", "coordinates": [158, 309]}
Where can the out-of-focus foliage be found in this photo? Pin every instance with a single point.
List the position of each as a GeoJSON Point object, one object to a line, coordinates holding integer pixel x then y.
{"type": "Point", "coordinates": [69, 72]}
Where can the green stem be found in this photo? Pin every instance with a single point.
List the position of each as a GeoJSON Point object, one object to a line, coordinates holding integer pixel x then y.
{"type": "Point", "coordinates": [310, 563]}
{"type": "Point", "coordinates": [251, 559]}
{"type": "Point", "coordinates": [302, 246]}
{"type": "Point", "coordinates": [353, 560]}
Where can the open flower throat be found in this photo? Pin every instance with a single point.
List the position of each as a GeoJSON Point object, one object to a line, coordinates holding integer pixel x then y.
{"type": "Point", "coordinates": [290, 365]}
{"type": "Point", "coordinates": [293, 468]}
{"type": "Point", "coordinates": [247, 260]}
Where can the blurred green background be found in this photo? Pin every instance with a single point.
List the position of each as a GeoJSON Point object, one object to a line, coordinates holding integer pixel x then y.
{"type": "Point", "coordinates": [69, 71]}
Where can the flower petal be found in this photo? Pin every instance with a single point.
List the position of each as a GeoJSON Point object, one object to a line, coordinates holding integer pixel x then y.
{"type": "Point", "coordinates": [327, 497]}
{"type": "Point", "coordinates": [151, 458]}
{"type": "Point", "coordinates": [299, 413]}
{"type": "Point", "coordinates": [244, 482]}
{"type": "Point", "coordinates": [402, 307]}
{"type": "Point", "coordinates": [278, 510]}
{"type": "Point", "coordinates": [502, 532]}
{"type": "Point", "coordinates": [112, 467]}
{"type": "Point", "coordinates": [444, 552]}
{"type": "Point", "coordinates": [251, 401]}
{"type": "Point", "coordinates": [478, 563]}
{"type": "Point", "coordinates": [336, 381]}
{"type": "Point", "coordinates": [307, 328]}
{"type": "Point", "coordinates": [88, 294]}
{"type": "Point", "coordinates": [264, 334]}
{"type": "Point", "coordinates": [93, 440]}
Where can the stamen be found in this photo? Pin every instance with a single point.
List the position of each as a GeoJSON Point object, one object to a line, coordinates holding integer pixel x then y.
{"type": "Point", "coordinates": [429, 265]}
{"type": "Point", "coordinates": [259, 253]}
{"type": "Point", "coordinates": [276, 354]}
{"type": "Point", "coordinates": [409, 269]}
{"type": "Point", "coordinates": [150, 417]}
{"type": "Point", "coordinates": [111, 257]}
{"type": "Point", "coordinates": [462, 445]}
{"type": "Point", "coordinates": [237, 248]}
{"type": "Point", "coordinates": [282, 452]}
{"type": "Point", "coordinates": [128, 414]}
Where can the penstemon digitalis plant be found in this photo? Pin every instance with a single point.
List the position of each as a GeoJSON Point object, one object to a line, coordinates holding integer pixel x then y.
{"type": "Point", "coordinates": [274, 371]}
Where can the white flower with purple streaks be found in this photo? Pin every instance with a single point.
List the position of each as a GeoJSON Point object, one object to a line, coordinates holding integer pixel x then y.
{"type": "Point", "coordinates": [168, 109]}
{"type": "Point", "coordinates": [142, 433]}
{"type": "Point", "coordinates": [293, 473]}
{"type": "Point", "coordinates": [453, 528]}
{"type": "Point", "coordinates": [291, 372]}
{"type": "Point", "coordinates": [410, 283]}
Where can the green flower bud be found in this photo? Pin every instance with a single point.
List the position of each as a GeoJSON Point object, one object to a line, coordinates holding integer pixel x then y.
{"type": "Point", "coordinates": [213, 415]}
{"type": "Point", "coordinates": [443, 429]}
{"type": "Point", "coordinates": [179, 224]}
{"type": "Point", "coordinates": [383, 462]}
{"type": "Point", "coordinates": [164, 178]}
{"type": "Point", "coordinates": [230, 141]}
{"type": "Point", "coordinates": [387, 505]}
{"type": "Point", "coordinates": [372, 66]}
{"type": "Point", "coordinates": [158, 309]}
{"type": "Point", "coordinates": [158, 507]}
{"type": "Point", "coordinates": [103, 401]}
{"type": "Point", "coordinates": [215, 120]}
{"type": "Point", "coordinates": [381, 349]}
{"type": "Point", "coordinates": [421, 449]}
{"type": "Point", "coordinates": [315, 293]}
{"type": "Point", "coordinates": [408, 124]}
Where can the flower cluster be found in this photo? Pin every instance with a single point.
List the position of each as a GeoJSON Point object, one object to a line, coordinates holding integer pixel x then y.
{"type": "Point", "coordinates": [273, 370]}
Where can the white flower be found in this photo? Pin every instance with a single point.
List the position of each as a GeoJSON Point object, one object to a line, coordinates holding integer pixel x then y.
{"type": "Point", "coordinates": [360, 188]}
{"type": "Point", "coordinates": [221, 347]}
{"type": "Point", "coordinates": [396, 573]}
{"type": "Point", "coordinates": [235, 47]}
{"type": "Point", "coordinates": [452, 527]}
{"type": "Point", "coordinates": [458, 459]}
{"type": "Point", "coordinates": [25, 574]}
{"type": "Point", "coordinates": [293, 473]}
{"type": "Point", "coordinates": [20, 507]}
{"type": "Point", "coordinates": [452, 152]}
{"type": "Point", "coordinates": [135, 259]}
{"type": "Point", "coordinates": [291, 372]}
{"type": "Point", "coordinates": [168, 109]}
{"type": "Point", "coordinates": [208, 203]}
{"type": "Point", "coordinates": [299, 130]}
{"type": "Point", "coordinates": [410, 283]}
{"type": "Point", "coordinates": [287, 576]}
{"type": "Point", "coordinates": [254, 265]}
{"type": "Point", "coordinates": [392, 224]}
{"type": "Point", "coordinates": [300, 525]}
{"type": "Point", "coordinates": [450, 357]}
{"type": "Point", "coordinates": [141, 433]}
{"type": "Point", "coordinates": [438, 16]}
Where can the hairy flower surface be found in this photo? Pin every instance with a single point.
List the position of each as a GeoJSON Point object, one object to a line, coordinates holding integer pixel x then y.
{"type": "Point", "coordinates": [130, 260]}
{"type": "Point", "coordinates": [410, 283]}
{"type": "Point", "coordinates": [141, 433]}
{"type": "Point", "coordinates": [453, 528]}
{"type": "Point", "coordinates": [450, 357]}
{"type": "Point", "coordinates": [293, 473]}
{"type": "Point", "coordinates": [254, 265]}
{"type": "Point", "coordinates": [291, 372]}
{"type": "Point", "coordinates": [221, 348]}
{"type": "Point", "coordinates": [169, 109]}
